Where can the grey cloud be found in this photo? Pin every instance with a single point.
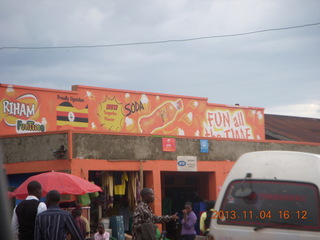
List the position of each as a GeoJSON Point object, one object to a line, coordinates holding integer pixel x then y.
{"type": "Point", "coordinates": [265, 70]}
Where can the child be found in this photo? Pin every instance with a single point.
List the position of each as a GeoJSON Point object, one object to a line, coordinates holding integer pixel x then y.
{"type": "Point", "coordinates": [101, 234]}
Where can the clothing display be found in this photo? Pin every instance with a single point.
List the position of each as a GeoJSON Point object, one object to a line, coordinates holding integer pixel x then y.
{"type": "Point", "coordinates": [117, 226]}
{"type": "Point", "coordinates": [126, 213]}
{"type": "Point", "coordinates": [84, 199]}
{"type": "Point", "coordinates": [120, 183]}
{"type": "Point", "coordinates": [120, 196]}
{"type": "Point", "coordinates": [133, 189]}
{"type": "Point", "coordinates": [107, 184]}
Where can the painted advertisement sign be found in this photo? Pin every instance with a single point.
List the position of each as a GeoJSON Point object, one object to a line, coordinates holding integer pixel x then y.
{"type": "Point", "coordinates": [26, 109]}
{"type": "Point", "coordinates": [20, 112]}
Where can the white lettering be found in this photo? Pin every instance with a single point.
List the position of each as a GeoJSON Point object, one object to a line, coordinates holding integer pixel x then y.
{"type": "Point", "coordinates": [16, 108]}
{"type": "Point", "coordinates": [6, 106]}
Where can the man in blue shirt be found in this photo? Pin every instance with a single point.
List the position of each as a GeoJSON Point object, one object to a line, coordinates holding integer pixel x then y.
{"type": "Point", "coordinates": [55, 223]}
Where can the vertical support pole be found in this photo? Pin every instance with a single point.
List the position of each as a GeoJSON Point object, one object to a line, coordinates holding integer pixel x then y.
{"type": "Point", "coordinates": [141, 174]}
{"type": "Point", "coordinates": [153, 180]}
{"type": "Point", "coordinates": [70, 145]}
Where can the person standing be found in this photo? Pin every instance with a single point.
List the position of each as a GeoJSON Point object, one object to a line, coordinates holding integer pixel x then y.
{"type": "Point", "coordinates": [205, 218]}
{"type": "Point", "coordinates": [188, 222]}
{"type": "Point", "coordinates": [76, 214]}
{"type": "Point", "coordinates": [24, 214]}
{"type": "Point", "coordinates": [144, 219]}
{"type": "Point", "coordinates": [55, 223]}
{"type": "Point", "coordinates": [88, 229]}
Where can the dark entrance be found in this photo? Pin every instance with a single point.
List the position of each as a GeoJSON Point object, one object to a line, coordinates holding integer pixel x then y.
{"type": "Point", "coordinates": [178, 188]}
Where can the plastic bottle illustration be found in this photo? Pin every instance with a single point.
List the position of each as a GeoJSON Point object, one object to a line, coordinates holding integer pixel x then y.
{"type": "Point", "coordinates": [161, 116]}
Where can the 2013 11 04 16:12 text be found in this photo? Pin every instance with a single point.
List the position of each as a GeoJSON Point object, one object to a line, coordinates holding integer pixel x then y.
{"type": "Point", "coordinates": [283, 214]}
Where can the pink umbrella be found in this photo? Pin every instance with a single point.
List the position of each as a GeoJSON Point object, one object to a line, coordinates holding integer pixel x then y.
{"type": "Point", "coordinates": [65, 183]}
{"type": "Point", "coordinates": [10, 194]}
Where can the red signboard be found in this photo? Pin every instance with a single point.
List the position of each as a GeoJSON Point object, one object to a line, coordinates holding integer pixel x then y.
{"type": "Point", "coordinates": [168, 144]}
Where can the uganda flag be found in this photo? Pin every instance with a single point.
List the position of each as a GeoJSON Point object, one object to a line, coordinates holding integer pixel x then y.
{"type": "Point", "coordinates": [67, 114]}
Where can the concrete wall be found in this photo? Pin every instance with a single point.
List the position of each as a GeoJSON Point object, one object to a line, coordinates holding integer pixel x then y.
{"type": "Point", "coordinates": [32, 147]}
{"type": "Point", "coordinates": [150, 148]}
{"type": "Point", "coordinates": [118, 147]}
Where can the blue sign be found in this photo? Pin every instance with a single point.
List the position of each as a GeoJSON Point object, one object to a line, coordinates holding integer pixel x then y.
{"type": "Point", "coordinates": [204, 146]}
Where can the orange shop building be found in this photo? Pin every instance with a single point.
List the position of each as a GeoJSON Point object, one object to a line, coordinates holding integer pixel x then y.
{"type": "Point", "coordinates": [183, 147]}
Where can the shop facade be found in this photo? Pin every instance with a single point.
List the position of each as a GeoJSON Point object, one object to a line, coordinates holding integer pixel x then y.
{"type": "Point", "coordinates": [182, 147]}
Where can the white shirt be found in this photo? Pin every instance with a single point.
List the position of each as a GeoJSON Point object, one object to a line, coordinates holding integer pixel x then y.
{"type": "Point", "coordinates": [98, 236]}
{"type": "Point", "coordinates": [15, 223]}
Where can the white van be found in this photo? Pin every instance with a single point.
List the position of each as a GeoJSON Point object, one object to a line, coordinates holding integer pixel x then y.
{"type": "Point", "coordinates": [270, 195]}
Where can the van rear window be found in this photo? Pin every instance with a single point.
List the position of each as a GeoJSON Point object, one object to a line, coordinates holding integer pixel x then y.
{"type": "Point", "coordinates": [271, 204]}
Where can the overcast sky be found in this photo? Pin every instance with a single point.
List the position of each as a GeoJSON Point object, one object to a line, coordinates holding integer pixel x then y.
{"type": "Point", "coordinates": [277, 70]}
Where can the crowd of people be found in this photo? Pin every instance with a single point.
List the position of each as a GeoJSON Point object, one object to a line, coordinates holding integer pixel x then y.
{"type": "Point", "coordinates": [144, 220]}
{"type": "Point", "coordinates": [35, 220]}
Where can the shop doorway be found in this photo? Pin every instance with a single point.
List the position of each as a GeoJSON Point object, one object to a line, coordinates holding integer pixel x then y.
{"type": "Point", "coordinates": [181, 187]}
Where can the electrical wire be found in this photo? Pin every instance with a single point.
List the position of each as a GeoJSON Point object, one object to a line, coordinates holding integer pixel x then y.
{"type": "Point", "coordinates": [161, 41]}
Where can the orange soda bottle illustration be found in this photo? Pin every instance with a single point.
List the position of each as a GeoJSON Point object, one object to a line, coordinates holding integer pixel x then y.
{"type": "Point", "coordinates": [161, 116]}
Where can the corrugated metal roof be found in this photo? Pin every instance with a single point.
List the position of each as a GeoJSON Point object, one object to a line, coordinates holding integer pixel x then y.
{"type": "Point", "coordinates": [292, 128]}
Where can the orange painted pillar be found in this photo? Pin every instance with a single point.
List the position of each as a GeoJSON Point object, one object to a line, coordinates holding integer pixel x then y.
{"type": "Point", "coordinates": [152, 180]}
{"type": "Point", "coordinates": [74, 168]}
{"type": "Point", "coordinates": [79, 169]}
{"type": "Point", "coordinates": [149, 182]}
{"type": "Point", "coordinates": [70, 145]}
{"type": "Point", "coordinates": [157, 192]}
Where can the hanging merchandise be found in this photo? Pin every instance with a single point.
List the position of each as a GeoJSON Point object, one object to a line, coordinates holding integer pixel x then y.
{"type": "Point", "coordinates": [131, 190]}
{"type": "Point", "coordinates": [120, 179]}
{"type": "Point", "coordinates": [84, 199]}
{"type": "Point", "coordinates": [125, 211]}
{"type": "Point", "coordinates": [116, 224]}
{"type": "Point", "coordinates": [107, 183]}
{"type": "Point", "coordinates": [93, 194]}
